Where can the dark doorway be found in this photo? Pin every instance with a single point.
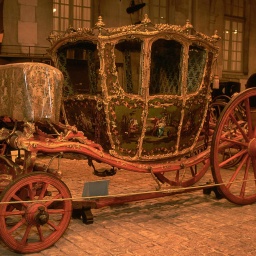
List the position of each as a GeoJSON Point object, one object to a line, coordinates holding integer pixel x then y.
{"type": "Point", "coordinates": [251, 82]}
{"type": "Point", "coordinates": [226, 88]}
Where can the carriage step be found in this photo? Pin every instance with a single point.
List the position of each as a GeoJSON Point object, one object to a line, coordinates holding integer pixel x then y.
{"type": "Point", "coordinates": [82, 209]}
{"type": "Point", "coordinates": [105, 173]}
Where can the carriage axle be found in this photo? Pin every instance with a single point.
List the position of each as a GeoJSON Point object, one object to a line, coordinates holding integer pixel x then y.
{"type": "Point", "coordinates": [82, 208]}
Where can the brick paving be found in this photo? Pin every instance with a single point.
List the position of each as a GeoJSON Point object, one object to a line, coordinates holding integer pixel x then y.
{"type": "Point", "coordinates": [181, 225]}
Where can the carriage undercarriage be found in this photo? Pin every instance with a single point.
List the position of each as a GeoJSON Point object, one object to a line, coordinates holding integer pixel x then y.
{"type": "Point", "coordinates": [37, 199]}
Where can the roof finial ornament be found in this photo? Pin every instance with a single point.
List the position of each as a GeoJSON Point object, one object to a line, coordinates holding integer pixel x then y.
{"type": "Point", "coordinates": [188, 27]}
{"type": "Point", "coordinates": [216, 37]}
{"type": "Point", "coordinates": [146, 21]}
{"type": "Point", "coordinates": [100, 24]}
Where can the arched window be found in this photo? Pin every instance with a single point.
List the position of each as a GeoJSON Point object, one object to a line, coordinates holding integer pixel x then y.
{"type": "Point", "coordinates": [165, 74]}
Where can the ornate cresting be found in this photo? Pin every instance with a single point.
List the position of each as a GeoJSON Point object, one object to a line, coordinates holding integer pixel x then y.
{"type": "Point", "coordinates": [141, 91]}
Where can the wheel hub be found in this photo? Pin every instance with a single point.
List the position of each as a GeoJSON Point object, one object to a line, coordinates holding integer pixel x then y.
{"type": "Point", "coordinates": [252, 147]}
{"type": "Point", "coordinates": [36, 214]}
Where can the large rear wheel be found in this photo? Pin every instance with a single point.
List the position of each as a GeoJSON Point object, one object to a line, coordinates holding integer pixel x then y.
{"type": "Point", "coordinates": [233, 151]}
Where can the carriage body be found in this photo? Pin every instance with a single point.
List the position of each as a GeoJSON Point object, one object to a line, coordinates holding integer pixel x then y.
{"type": "Point", "coordinates": [140, 91]}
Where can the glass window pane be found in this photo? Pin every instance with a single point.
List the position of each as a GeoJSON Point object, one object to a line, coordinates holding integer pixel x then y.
{"type": "Point", "coordinates": [55, 10]}
{"type": "Point", "coordinates": [233, 66]}
{"type": "Point", "coordinates": [239, 47]}
{"type": "Point", "coordinates": [64, 24]}
{"type": "Point", "coordinates": [86, 13]}
{"type": "Point", "coordinates": [77, 13]}
{"type": "Point", "coordinates": [233, 56]}
{"type": "Point", "coordinates": [87, 3]}
{"type": "Point", "coordinates": [234, 36]}
{"type": "Point", "coordinates": [234, 46]}
{"type": "Point", "coordinates": [226, 35]}
{"type": "Point", "coordinates": [225, 65]}
{"type": "Point", "coordinates": [239, 37]}
{"type": "Point", "coordinates": [226, 44]}
{"type": "Point", "coordinates": [226, 55]}
{"type": "Point", "coordinates": [78, 2]}
{"type": "Point", "coordinates": [55, 24]}
{"type": "Point", "coordinates": [76, 23]}
{"type": "Point", "coordinates": [239, 56]}
{"type": "Point", "coordinates": [64, 11]}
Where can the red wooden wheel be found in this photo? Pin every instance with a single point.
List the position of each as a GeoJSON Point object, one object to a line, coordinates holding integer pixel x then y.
{"type": "Point", "coordinates": [215, 110]}
{"type": "Point", "coordinates": [185, 176]}
{"type": "Point", "coordinates": [36, 214]}
{"type": "Point", "coordinates": [233, 151]}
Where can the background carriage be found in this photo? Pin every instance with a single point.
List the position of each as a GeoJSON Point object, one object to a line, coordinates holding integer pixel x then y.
{"type": "Point", "coordinates": [136, 98]}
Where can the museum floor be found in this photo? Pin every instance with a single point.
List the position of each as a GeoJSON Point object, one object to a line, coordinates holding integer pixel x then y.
{"type": "Point", "coordinates": [187, 224]}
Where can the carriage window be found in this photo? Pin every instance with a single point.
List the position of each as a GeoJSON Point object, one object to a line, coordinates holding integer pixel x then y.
{"type": "Point", "coordinates": [196, 64]}
{"type": "Point", "coordinates": [165, 67]}
{"type": "Point", "coordinates": [80, 65]}
{"type": "Point", "coordinates": [127, 58]}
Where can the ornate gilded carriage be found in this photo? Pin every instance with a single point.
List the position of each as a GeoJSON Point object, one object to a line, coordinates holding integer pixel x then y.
{"type": "Point", "coordinates": [141, 91]}
{"type": "Point", "coordinates": [136, 98]}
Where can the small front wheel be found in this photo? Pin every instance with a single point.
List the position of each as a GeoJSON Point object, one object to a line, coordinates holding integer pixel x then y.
{"type": "Point", "coordinates": [35, 211]}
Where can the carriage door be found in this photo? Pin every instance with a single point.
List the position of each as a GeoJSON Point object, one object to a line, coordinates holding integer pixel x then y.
{"type": "Point", "coordinates": [125, 105]}
{"type": "Point", "coordinates": [164, 100]}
